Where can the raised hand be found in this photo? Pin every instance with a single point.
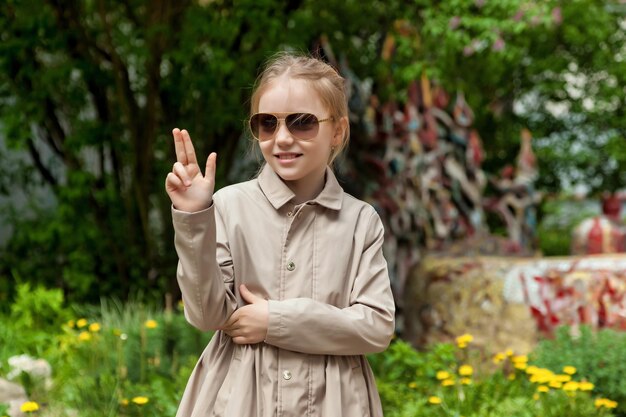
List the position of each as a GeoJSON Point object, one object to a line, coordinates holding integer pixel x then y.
{"type": "Point", "coordinates": [248, 324]}
{"type": "Point", "coordinates": [188, 189]}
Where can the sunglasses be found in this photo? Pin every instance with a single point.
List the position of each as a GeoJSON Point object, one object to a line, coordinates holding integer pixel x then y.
{"type": "Point", "coordinates": [302, 126]}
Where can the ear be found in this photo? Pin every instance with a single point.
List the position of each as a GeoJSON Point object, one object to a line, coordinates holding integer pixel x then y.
{"type": "Point", "coordinates": [340, 130]}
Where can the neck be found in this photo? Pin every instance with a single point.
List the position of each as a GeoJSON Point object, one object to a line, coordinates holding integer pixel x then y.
{"type": "Point", "coordinates": [307, 188]}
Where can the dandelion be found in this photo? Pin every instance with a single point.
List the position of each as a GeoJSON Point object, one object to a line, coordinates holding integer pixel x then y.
{"type": "Point", "coordinates": [413, 384]}
{"type": "Point", "coordinates": [434, 400]}
{"type": "Point", "coordinates": [94, 327]}
{"type": "Point", "coordinates": [520, 359]}
{"type": "Point", "coordinates": [542, 388]}
{"type": "Point", "coordinates": [570, 370]}
{"type": "Point", "coordinates": [140, 400]}
{"type": "Point", "coordinates": [29, 407]}
{"type": "Point", "coordinates": [605, 402]}
{"type": "Point", "coordinates": [586, 386]}
{"type": "Point", "coordinates": [466, 381]}
{"type": "Point", "coordinates": [463, 340]}
{"type": "Point", "coordinates": [511, 377]}
{"type": "Point", "coordinates": [570, 386]}
{"type": "Point", "coordinates": [124, 402]}
{"type": "Point", "coordinates": [499, 357]}
{"type": "Point", "coordinates": [521, 366]}
{"type": "Point", "coordinates": [562, 378]}
{"type": "Point", "coordinates": [84, 336]}
{"type": "Point", "coordinates": [555, 384]}
{"type": "Point", "coordinates": [81, 323]}
{"type": "Point", "coordinates": [466, 370]}
{"type": "Point", "coordinates": [151, 324]}
{"type": "Point", "coordinates": [71, 324]}
{"type": "Point", "coordinates": [509, 352]}
{"type": "Point", "coordinates": [441, 375]}
{"type": "Point", "coordinates": [447, 382]}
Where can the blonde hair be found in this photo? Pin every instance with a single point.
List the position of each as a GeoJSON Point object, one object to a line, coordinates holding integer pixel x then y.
{"type": "Point", "coordinates": [324, 79]}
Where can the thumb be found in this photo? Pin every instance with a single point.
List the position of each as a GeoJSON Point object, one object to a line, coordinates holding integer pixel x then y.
{"type": "Point", "coordinates": [247, 296]}
{"type": "Point", "coordinates": [211, 163]}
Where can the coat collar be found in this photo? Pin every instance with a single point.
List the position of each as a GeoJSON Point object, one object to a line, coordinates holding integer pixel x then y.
{"type": "Point", "coordinates": [279, 194]}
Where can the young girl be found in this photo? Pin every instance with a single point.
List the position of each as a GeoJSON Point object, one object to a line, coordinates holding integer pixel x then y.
{"type": "Point", "coordinates": [286, 267]}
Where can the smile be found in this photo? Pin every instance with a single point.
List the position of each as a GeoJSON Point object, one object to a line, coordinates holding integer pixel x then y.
{"type": "Point", "coordinates": [287, 156]}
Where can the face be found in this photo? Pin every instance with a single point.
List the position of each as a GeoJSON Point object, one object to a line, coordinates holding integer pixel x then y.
{"type": "Point", "coordinates": [298, 163]}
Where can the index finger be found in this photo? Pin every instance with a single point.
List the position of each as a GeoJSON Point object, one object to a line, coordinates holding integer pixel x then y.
{"type": "Point", "coordinates": [189, 150]}
{"type": "Point", "coordinates": [179, 146]}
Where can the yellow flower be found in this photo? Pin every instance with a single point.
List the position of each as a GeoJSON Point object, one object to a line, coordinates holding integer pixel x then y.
{"type": "Point", "coordinates": [466, 370]}
{"type": "Point", "coordinates": [509, 352]}
{"type": "Point", "coordinates": [29, 407]}
{"type": "Point", "coordinates": [533, 370]}
{"type": "Point", "coordinates": [151, 324]}
{"type": "Point", "coordinates": [555, 384]}
{"type": "Point", "coordinates": [543, 388]}
{"type": "Point", "coordinates": [94, 327]}
{"type": "Point", "coordinates": [499, 357]}
{"type": "Point", "coordinates": [535, 396]}
{"type": "Point", "coordinates": [413, 384]}
{"type": "Point", "coordinates": [562, 378]}
{"type": "Point", "coordinates": [570, 370]}
{"type": "Point", "coordinates": [586, 386]}
{"type": "Point", "coordinates": [434, 400]}
{"type": "Point", "coordinates": [124, 402]}
{"type": "Point", "coordinates": [605, 402]}
{"type": "Point", "coordinates": [511, 377]}
{"type": "Point", "coordinates": [140, 400]}
{"type": "Point", "coordinates": [84, 336]}
{"type": "Point", "coordinates": [520, 366]}
{"type": "Point", "coordinates": [520, 359]}
{"type": "Point", "coordinates": [570, 386]}
{"type": "Point", "coordinates": [466, 381]}
{"type": "Point", "coordinates": [447, 382]}
{"type": "Point", "coordinates": [463, 340]}
{"type": "Point", "coordinates": [71, 324]}
{"type": "Point", "coordinates": [81, 323]}
{"type": "Point", "coordinates": [443, 375]}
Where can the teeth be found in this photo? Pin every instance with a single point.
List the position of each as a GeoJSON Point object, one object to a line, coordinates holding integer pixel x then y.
{"type": "Point", "coordinates": [292, 156]}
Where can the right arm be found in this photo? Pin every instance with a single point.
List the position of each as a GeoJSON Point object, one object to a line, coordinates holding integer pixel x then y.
{"type": "Point", "coordinates": [205, 272]}
{"type": "Point", "coordinates": [205, 268]}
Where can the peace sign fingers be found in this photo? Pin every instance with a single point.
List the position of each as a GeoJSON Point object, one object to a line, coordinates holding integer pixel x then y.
{"type": "Point", "coordinates": [185, 153]}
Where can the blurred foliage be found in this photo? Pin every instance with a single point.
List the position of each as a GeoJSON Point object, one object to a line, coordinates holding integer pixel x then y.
{"type": "Point", "coordinates": [129, 359]}
{"type": "Point", "coordinates": [560, 217]}
{"type": "Point", "coordinates": [596, 354]}
{"type": "Point", "coordinates": [91, 90]}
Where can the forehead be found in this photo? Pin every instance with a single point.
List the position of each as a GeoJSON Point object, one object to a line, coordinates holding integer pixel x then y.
{"type": "Point", "coordinates": [287, 95]}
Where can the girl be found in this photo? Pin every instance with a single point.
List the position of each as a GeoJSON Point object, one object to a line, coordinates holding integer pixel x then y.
{"type": "Point", "coordinates": [286, 267]}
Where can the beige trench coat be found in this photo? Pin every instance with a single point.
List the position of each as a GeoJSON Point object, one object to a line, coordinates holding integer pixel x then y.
{"type": "Point", "coordinates": [320, 265]}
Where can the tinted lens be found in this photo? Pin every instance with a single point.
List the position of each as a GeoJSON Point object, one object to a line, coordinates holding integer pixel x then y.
{"type": "Point", "coordinates": [263, 126]}
{"type": "Point", "coordinates": [302, 125]}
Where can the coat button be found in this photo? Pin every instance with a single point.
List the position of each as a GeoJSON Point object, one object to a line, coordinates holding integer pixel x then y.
{"type": "Point", "coordinates": [286, 375]}
{"type": "Point", "coordinates": [291, 266]}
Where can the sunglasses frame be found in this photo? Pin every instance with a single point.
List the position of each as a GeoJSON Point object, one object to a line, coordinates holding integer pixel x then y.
{"type": "Point", "coordinates": [284, 120]}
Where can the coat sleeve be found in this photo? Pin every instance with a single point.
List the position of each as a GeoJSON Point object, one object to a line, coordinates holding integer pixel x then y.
{"type": "Point", "coordinates": [365, 326]}
{"type": "Point", "coordinates": [205, 267]}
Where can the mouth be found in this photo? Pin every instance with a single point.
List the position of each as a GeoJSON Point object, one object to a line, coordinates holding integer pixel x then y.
{"type": "Point", "coordinates": [287, 156]}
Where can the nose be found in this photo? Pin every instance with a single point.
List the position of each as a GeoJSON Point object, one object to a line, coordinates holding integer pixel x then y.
{"type": "Point", "coordinates": [283, 136]}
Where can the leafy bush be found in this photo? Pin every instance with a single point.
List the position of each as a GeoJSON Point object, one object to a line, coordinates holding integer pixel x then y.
{"type": "Point", "coordinates": [116, 360]}
{"type": "Point", "coordinates": [455, 381]}
{"type": "Point", "coordinates": [128, 359]}
{"type": "Point", "coordinates": [599, 356]}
